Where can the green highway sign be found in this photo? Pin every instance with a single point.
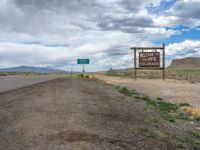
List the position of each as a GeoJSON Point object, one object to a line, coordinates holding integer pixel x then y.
{"type": "Point", "coordinates": [83, 61]}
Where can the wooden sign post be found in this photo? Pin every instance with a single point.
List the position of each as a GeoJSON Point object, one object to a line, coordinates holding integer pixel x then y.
{"type": "Point", "coordinates": [149, 60]}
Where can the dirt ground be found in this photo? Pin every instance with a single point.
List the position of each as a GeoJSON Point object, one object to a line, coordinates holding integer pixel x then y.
{"type": "Point", "coordinates": [76, 114]}
{"type": "Point", "coordinates": [170, 90]}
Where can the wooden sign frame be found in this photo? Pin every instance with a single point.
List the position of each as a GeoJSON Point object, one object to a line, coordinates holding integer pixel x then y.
{"type": "Point", "coordinates": [144, 49]}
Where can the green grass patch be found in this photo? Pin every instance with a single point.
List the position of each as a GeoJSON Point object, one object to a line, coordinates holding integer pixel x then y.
{"type": "Point", "coordinates": [168, 111]}
{"type": "Point", "coordinates": [149, 101]}
{"type": "Point", "coordinates": [167, 107]}
{"type": "Point", "coordinates": [125, 91]}
{"type": "Point", "coordinates": [168, 117]}
{"type": "Point", "coordinates": [163, 107]}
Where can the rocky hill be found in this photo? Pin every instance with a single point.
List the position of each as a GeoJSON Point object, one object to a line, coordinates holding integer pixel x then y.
{"type": "Point", "coordinates": [186, 63]}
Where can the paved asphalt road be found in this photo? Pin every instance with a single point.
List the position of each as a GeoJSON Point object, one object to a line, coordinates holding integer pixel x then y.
{"type": "Point", "coordinates": [14, 82]}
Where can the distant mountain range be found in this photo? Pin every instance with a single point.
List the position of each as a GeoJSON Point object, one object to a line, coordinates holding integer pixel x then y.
{"type": "Point", "coordinates": [32, 69]}
{"type": "Point", "coordinates": [186, 63]}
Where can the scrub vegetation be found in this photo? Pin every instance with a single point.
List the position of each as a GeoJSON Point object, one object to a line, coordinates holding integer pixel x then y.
{"type": "Point", "coordinates": [172, 116]}
{"type": "Point", "coordinates": [190, 75]}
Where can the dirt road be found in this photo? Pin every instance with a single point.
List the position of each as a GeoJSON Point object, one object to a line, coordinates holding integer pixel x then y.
{"type": "Point", "coordinates": [75, 114]}
{"type": "Point", "coordinates": [170, 90]}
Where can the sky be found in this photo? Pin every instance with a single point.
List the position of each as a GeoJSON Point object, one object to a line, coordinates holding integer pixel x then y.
{"type": "Point", "coordinates": [55, 33]}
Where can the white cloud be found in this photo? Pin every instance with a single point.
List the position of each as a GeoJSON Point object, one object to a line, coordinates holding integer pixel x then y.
{"type": "Point", "coordinates": [184, 12]}
{"type": "Point", "coordinates": [187, 48]}
{"type": "Point", "coordinates": [31, 54]}
{"type": "Point", "coordinates": [98, 29]}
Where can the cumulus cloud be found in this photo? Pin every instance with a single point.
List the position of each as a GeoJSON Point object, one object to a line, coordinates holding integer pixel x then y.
{"type": "Point", "coordinates": [16, 54]}
{"type": "Point", "coordinates": [184, 49]}
{"type": "Point", "coordinates": [187, 48]}
{"type": "Point", "coordinates": [57, 32]}
{"type": "Point", "coordinates": [177, 12]}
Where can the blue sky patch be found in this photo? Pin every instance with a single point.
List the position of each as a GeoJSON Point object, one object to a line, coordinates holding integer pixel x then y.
{"type": "Point", "coordinates": [178, 27]}
{"type": "Point", "coordinates": [185, 35]}
{"type": "Point", "coordinates": [164, 5]}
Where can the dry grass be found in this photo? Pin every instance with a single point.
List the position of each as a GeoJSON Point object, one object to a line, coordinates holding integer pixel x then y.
{"type": "Point", "coordinates": [190, 75]}
{"type": "Point", "coordinates": [18, 73]}
{"type": "Point", "coordinates": [195, 112]}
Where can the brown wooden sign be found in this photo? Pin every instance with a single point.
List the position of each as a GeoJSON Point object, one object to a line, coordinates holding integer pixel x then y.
{"type": "Point", "coordinates": [149, 59]}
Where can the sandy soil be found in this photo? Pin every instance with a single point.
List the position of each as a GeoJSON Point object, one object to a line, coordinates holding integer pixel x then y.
{"type": "Point", "coordinates": [170, 90]}
{"type": "Point", "coordinates": [75, 114]}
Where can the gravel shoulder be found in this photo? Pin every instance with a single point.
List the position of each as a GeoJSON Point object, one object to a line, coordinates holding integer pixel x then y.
{"type": "Point", "coordinates": [76, 114]}
{"type": "Point", "coordinates": [170, 90]}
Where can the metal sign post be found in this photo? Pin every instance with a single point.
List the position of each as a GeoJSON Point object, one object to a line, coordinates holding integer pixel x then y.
{"type": "Point", "coordinates": [83, 62]}
{"type": "Point", "coordinates": [83, 69]}
{"type": "Point", "coordinates": [149, 60]}
{"type": "Point", "coordinates": [71, 72]}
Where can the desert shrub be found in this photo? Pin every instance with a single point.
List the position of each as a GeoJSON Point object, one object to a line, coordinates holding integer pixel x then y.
{"type": "Point", "coordinates": [167, 107]}
{"type": "Point", "coordinates": [125, 91]}
{"type": "Point", "coordinates": [127, 74]}
{"type": "Point", "coordinates": [168, 117]}
{"type": "Point", "coordinates": [148, 100]}
{"type": "Point", "coordinates": [3, 74]}
{"type": "Point", "coordinates": [197, 118]}
{"type": "Point", "coordinates": [159, 98]}
{"type": "Point", "coordinates": [81, 75]}
{"type": "Point", "coordinates": [137, 97]}
{"type": "Point", "coordinates": [184, 104]}
{"type": "Point", "coordinates": [86, 76]}
{"type": "Point", "coordinates": [111, 73]}
{"type": "Point", "coordinates": [183, 116]}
